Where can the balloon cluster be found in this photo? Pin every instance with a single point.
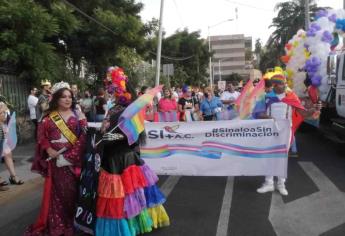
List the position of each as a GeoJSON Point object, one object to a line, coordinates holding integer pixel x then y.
{"type": "Point", "coordinates": [307, 52]}
{"type": "Point", "coordinates": [115, 83]}
{"type": "Point", "coordinates": [296, 56]}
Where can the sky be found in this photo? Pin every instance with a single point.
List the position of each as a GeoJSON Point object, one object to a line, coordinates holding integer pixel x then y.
{"type": "Point", "coordinates": [254, 16]}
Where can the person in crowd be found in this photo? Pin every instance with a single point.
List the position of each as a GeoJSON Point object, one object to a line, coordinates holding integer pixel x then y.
{"type": "Point", "coordinates": [256, 81]}
{"type": "Point", "coordinates": [167, 103]}
{"type": "Point", "coordinates": [174, 94]}
{"type": "Point", "coordinates": [101, 105]}
{"type": "Point", "coordinates": [188, 106]}
{"type": "Point", "coordinates": [5, 149]}
{"type": "Point", "coordinates": [210, 106]}
{"type": "Point", "coordinates": [129, 202]}
{"type": "Point", "coordinates": [76, 97]}
{"type": "Point", "coordinates": [281, 103]}
{"type": "Point", "coordinates": [268, 86]}
{"type": "Point", "coordinates": [58, 158]}
{"type": "Point", "coordinates": [32, 102]}
{"type": "Point", "coordinates": [229, 96]}
{"type": "Point", "coordinates": [86, 105]}
{"type": "Point", "coordinates": [43, 100]}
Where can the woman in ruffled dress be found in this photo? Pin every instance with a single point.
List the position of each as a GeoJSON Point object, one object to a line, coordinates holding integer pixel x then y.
{"type": "Point", "coordinates": [63, 128]}
{"type": "Point", "coordinates": [129, 202]}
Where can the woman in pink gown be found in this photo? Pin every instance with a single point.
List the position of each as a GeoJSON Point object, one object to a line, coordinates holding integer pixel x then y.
{"type": "Point", "coordinates": [62, 128]}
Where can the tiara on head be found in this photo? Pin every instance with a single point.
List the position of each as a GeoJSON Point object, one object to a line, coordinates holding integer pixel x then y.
{"type": "Point", "coordinates": [56, 87]}
{"type": "Point", "coordinates": [45, 83]}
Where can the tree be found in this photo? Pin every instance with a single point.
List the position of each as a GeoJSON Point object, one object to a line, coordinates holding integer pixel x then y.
{"type": "Point", "coordinates": [189, 54]}
{"type": "Point", "coordinates": [25, 28]}
{"type": "Point", "coordinates": [53, 39]}
{"type": "Point", "coordinates": [289, 20]}
{"type": "Point", "coordinates": [257, 53]}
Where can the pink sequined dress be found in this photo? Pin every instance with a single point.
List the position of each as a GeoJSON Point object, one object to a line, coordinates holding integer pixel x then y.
{"type": "Point", "coordinates": [60, 190]}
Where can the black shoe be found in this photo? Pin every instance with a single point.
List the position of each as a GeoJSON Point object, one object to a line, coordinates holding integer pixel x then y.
{"type": "Point", "coordinates": [14, 181]}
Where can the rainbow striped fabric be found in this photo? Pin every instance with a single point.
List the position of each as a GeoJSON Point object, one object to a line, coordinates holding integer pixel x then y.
{"type": "Point", "coordinates": [12, 132]}
{"type": "Point", "coordinates": [131, 121]}
{"type": "Point", "coordinates": [168, 150]}
{"type": "Point", "coordinates": [214, 150]}
{"type": "Point", "coordinates": [252, 98]}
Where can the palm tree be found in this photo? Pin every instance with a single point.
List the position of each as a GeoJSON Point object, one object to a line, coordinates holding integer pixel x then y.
{"type": "Point", "coordinates": [290, 18]}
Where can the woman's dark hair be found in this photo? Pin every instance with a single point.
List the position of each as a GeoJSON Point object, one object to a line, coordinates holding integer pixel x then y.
{"type": "Point", "coordinates": [169, 89]}
{"type": "Point", "coordinates": [143, 89]}
{"type": "Point", "coordinates": [54, 103]}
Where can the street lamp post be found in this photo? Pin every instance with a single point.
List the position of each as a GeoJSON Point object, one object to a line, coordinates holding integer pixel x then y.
{"type": "Point", "coordinates": [209, 48]}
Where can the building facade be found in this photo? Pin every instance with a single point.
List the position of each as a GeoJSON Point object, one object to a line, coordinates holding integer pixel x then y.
{"type": "Point", "coordinates": [229, 56]}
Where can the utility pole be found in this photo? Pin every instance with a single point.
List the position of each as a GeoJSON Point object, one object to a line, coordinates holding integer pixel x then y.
{"type": "Point", "coordinates": [159, 47]}
{"type": "Point", "coordinates": [306, 13]}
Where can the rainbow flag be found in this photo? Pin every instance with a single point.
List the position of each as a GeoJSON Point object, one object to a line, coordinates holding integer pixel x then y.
{"type": "Point", "coordinates": [248, 88]}
{"type": "Point", "coordinates": [12, 132]}
{"type": "Point", "coordinates": [131, 121]}
{"type": "Point", "coordinates": [253, 101]}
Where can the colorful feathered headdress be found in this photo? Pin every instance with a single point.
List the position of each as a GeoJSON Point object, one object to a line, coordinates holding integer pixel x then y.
{"type": "Point", "coordinates": [115, 83]}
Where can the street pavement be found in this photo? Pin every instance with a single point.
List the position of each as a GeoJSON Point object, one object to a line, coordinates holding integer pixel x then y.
{"type": "Point", "coordinates": [207, 206]}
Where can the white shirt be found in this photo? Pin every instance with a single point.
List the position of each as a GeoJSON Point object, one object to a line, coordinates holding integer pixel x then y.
{"type": "Point", "coordinates": [175, 96]}
{"type": "Point", "coordinates": [32, 102]}
{"type": "Point", "coordinates": [280, 110]}
{"type": "Point", "coordinates": [229, 96]}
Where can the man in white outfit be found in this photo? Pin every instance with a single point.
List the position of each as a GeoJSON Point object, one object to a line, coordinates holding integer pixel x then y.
{"type": "Point", "coordinates": [229, 96]}
{"type": "Point", "coordinates": [281, 103]}
{"type": "Point", "coordinates": [32, 102]}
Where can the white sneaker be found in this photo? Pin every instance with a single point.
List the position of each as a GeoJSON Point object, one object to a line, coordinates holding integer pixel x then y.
{"type": "Point", "coordinates": [266, 187]}
{"type": "Point", "coordinates": [282, 190]}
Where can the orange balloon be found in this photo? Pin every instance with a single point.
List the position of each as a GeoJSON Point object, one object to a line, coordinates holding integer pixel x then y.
{"type": "Point", "coordinates": [285, 59]}
{"type": "Point", "coordinates": [288, 46]}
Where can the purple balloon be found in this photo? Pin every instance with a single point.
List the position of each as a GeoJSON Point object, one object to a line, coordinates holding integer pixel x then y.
{"type": "Point", "coordinates": [316, 80]}
{"type": "Point", "coordinates": [327, 37]}
{"type": "Point", "coordinates": [315, 26]}
{"type": "Point", "coordinates": [332, 18]}
{"type": "Point", "coordinates": [311, 32]}
{"type": "Point", "coordinates": [321, 13]}
{"type": "Point", "coordinates": [316, 61]}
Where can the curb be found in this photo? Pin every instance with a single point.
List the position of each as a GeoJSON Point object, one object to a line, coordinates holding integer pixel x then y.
{"type": "Point", "coordinates": [18, 190]}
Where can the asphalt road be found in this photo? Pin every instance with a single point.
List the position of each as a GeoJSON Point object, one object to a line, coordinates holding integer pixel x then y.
{"type": "Point", "coordinates": [207, 206]}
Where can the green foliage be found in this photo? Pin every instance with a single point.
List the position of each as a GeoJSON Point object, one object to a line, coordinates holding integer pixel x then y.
{"type": "Point", "coordinates": [25, 26]}
{"type": "Point", "coordinates": [188, 46]}
{"type": "Point", "coordinates": [289, 20]}
{"type": "Point", "coordinates": [52, 39]}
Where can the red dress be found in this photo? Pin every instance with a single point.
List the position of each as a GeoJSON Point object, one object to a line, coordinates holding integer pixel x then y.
{"type": "Point", "coordinates": [60, 191]}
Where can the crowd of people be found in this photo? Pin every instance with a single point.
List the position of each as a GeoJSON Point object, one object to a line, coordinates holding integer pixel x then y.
{"type": "Point", "coordinates": [128, 200]}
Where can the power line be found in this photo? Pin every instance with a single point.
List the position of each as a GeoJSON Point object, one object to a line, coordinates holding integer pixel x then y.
{"type": "Point", "coordinates": [108, 29]}
{"type": "Point", "coordinates": [179, 13]}
{"type": "Point", "coordinates": [174, 58]}
{"type": "Point", "coordinates": [249, 6]}
{"type": "Point", "coordinates": [87, 16]}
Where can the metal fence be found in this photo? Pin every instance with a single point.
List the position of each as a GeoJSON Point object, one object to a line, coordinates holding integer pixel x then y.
{"type": "Point", "coordinates": [15, 91]}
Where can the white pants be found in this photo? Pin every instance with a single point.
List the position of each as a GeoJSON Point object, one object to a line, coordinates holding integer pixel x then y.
{"type": "Point", "coordinates": [269, 180]}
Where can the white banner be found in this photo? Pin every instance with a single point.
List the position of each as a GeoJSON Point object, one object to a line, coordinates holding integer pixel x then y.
{"type": "Point", "coordinates": [218, 148]}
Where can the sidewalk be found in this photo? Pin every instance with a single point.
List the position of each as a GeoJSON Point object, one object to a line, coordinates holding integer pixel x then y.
{"type": "Point", "coordinates": [22, 155]}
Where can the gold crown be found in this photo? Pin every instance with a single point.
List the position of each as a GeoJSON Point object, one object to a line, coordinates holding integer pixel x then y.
{"type": "Point", "coordinates": [45, 83]}
{"type": "Point", "coordinates": [59, 86]}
